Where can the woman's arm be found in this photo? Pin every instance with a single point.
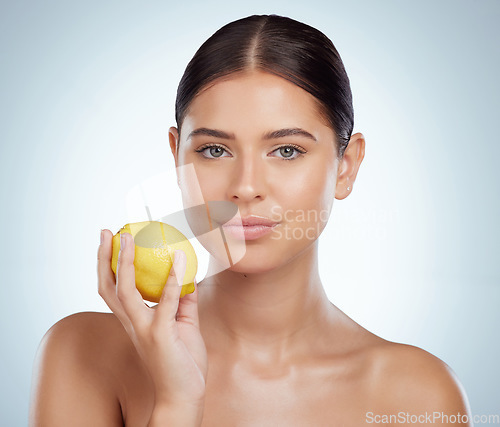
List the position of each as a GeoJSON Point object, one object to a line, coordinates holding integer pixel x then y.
{"type": "Point", "coordinates": [70, 386]}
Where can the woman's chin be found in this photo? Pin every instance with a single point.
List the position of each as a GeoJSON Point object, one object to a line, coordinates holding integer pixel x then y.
{"type": "Point", "coordinates": [255, 262]}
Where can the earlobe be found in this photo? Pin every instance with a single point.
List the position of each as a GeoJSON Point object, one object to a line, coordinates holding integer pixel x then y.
{"type": "Point", "coordinates": [349, 166]}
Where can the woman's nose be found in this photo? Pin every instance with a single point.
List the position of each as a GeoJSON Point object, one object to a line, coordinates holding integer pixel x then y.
{"type": "Point", "coordinates": [248, 179]}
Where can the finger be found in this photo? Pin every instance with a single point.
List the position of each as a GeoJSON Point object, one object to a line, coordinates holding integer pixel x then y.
{"type": "Point", "coordinates": [106, 285]}
{"type": "Point", "coordinates": [188, 307]}
{"type": "Point", "coordinates": [169, 302]}
{"type": "Point", "coordinates": [126, 291]}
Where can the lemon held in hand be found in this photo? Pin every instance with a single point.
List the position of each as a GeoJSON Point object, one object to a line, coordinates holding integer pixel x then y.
{"type": "Point", "coordinates": [155, 244]}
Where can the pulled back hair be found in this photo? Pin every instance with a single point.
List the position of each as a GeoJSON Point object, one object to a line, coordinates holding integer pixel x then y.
{"type": "Point", "coordinates": [281, 46]}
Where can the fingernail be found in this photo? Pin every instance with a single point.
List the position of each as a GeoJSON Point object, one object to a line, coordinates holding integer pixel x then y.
{"type": "Point", "coordinates": [123, 241]}
{"type": "Point", "coordinates": [102, 236]}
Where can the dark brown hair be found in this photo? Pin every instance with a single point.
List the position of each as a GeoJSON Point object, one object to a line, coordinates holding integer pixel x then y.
{"type": "Point", "coordinates": [282, 46]}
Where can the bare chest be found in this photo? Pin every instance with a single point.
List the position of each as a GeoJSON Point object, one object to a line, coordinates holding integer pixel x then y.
{"type": "Point", "coordinates": [277, 396]}
{"type": "Point", "coordinates": [319, 396]}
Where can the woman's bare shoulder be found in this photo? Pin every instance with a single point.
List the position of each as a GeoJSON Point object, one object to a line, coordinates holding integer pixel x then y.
{"type": "Point", "coordinates": [402, 377]}
{"type": "Point", "coordinates": [74, 374]}
{"type": "Point", "coordinates": [85, 321]}
{"type": "Point", "coordinates": [413, 380]}
{"type": "Point", "coordinates": [86, 318]}
{"type": "Point", "coordinates": [92, 333]}
{"type": "Point", "coordinates": [96, 340]}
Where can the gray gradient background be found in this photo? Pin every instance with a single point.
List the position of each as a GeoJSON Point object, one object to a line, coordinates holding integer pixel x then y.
{"type": "Point", "coordinates": [87, 97]}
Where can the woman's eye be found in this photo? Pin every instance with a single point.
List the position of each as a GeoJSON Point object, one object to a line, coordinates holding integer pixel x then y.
{"type": "Point", "coordinates": [289, 152]}
{"type": "Point", "coordinates": [285, 152]}
{"type": "Point", "coordinates": [212, 151]}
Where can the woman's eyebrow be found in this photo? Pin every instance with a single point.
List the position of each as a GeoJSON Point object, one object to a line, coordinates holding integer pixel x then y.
{"type": "Point", "coordinates": [281, 133]}
{"type": "Point", "coordinates": [211, 132]}
{"type": "Point", "coordinates": [289, 132]}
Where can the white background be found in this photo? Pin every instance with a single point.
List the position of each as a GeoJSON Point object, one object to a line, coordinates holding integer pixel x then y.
{"type": "Point", "coordinates": [87, 97]}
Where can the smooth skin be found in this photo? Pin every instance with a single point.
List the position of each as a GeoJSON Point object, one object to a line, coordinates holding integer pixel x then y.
{"type": "Point", "coordinates": [258, 344]}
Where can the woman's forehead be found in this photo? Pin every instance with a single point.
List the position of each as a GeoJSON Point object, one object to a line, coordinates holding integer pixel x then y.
{"type": "Point", "coordinates": [254, 99]}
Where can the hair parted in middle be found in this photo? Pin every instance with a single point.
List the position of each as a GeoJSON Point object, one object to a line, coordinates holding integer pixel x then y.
{"type": "Point", "coordinates": [281, 46]}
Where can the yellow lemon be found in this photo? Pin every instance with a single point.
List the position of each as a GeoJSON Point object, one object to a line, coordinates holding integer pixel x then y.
{"type": "Point", "coordinates": [155, 244]}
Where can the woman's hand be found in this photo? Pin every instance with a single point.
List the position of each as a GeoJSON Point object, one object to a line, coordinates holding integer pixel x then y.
{"type": "Point", "coordinates": [167, 336]}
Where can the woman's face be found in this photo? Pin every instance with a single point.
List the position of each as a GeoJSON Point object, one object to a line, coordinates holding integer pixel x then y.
{"type": "Point", "coordinates": [272, 156]}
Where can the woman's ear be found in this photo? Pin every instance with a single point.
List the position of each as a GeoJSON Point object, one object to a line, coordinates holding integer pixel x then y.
{"type": "Point", "coordinates": [348, 168]}
{"type": "Point", "coordinates": [173, 137]}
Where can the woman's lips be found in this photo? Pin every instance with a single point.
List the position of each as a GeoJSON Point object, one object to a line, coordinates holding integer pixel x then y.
{"type": "Point", "coordinates": [249, 227]}
{"type": "Point", "coordinates": [248, 232]}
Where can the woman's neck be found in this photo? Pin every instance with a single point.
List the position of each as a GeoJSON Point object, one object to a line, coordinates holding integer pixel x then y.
{"type": "Point", "coordinates": [272, 312]}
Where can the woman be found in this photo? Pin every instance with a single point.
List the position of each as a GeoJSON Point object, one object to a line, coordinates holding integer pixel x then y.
{"type": "Point", "coordinates": [264, 114]}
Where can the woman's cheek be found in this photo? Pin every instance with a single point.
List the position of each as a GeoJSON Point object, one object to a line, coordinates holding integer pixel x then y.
{"type": "Point", "coordinates": [311, 204]}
